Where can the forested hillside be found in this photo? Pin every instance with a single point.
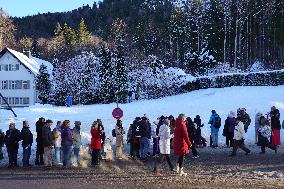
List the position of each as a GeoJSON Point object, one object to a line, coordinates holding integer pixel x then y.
{"type": "Point", "coordinates": [186, 34]}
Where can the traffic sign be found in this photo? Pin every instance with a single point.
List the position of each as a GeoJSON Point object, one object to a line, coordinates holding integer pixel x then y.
{"type": "Point", "coordinates": [117, 113]}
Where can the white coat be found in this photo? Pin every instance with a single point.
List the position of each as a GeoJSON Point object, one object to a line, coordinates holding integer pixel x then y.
{"type": "Point", "coordinates": [165, 139]}
{"type": "Point", "coordinates": [239, 132]}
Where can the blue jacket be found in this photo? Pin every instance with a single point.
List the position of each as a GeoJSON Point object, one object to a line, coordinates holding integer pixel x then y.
{"type": "Point", "coordinates": [213, 129]}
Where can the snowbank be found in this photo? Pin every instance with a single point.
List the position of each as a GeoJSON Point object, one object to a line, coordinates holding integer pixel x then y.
{"type": "Point", "coordinates": [254, 99]}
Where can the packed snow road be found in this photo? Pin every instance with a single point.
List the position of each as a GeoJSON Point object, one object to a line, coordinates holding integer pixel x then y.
{"type": "Point", "coordinates": [214, 169]}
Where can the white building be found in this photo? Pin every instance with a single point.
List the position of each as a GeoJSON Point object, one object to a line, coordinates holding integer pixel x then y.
{"type": "Point", "coordinates": [17, 77]}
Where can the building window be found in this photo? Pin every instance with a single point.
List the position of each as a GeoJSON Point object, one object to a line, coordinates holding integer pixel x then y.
{"type": "Point", "coordinates": [13, 85]}
{"type": "Point", "coordinates": [18, 84]}
{"type": "Point", "coordinates": [26, 100]}
{"type": "Point", "coordinates": [6, 67]}
{"type": "Point", "coordinates": [26, 84]}
{"type": "Point", "coordinates": [3, 102]}
{"type": "Point", "coordinates": [14, 67]}
{"type": "Point", "coordinates": [17, 101]}
{"type": "Point", "coordinates": [5, 84]}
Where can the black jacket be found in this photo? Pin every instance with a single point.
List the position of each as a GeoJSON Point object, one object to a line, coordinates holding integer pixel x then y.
{"type": "Point", "coordinates": [145, 129]}
{"type": "Point", "coordinates": [2, 138]}
{"type": "Point", "coordinates": [27, 137]}
{"type": "Point", "coordinates": [47, 136]}
{"type": "Point", "coordinates": [12, 138]}
{"type": "Point", "coordinates": [192, 131]}
{"type": "Point", "coordinates": [39, 126]}
{"type": "Point", "coordinates": [275, 119]}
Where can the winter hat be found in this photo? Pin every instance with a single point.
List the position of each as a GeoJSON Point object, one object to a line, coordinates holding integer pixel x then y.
{"type": "Point", "coordinates": [273, 108]}
{"type": "Point", "coordinates": [259, 114]}
{"type": "Point", "coordinates": [49, 121]}
{"type": "Point", "coordinates": [213, 111]}
{"type": "Point", "coordinates": [77, 123]}
{"type": "Point", "coordinates": [232, 114]}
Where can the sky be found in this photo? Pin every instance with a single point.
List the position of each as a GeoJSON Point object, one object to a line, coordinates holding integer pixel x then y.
{"type": "Point", "coordinates": [21, 8]}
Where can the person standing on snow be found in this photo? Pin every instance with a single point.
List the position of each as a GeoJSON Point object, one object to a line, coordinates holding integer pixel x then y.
{"type": "Point", "coordinates": [215, 124]}
{"type": "Point", "coordinates": [66, 143]}
{"type": "Point", "coordinates": [164, 144]}
{"type": "Point", "coordinates": [2, 137]}
{"type": "Point", "coordinates": [264, 135]}
{"type": "Point", "coordinates": [103, 137]}
{"type": "Point", "coordinates": [257, 125]}
{"type": "Point", "coordinates": [12, 138]}
{"type": "Point", "coordinates": [119, 131]}
{"type": "Point", "coordinates": [132, 140]}
{"type": "Point", "coordinates": [145, 133]}
{"type": "Point", "coordinates": [229, 129]}
{"type": "Point", "coordinates": [77, 141]}
{"type": "Point", "coordinates": [192, 133]}
{"type": "Point", "coordinates": [239, 138]}
{"type": "Point", "coordinates": [275, 126]}
{"type": "Point", "coordinates": [181, 142]}
{"type": "Point", "coordinates": [95, 145]}
{"type": "Point", "coordinates": [197, 121]}
{"type": "Point", "coordinates": [39, 146]}
{"type": "Point", "coordinates": [27, 142]}
{"type": "Point", "coordinates": [57, 143]}
{"type": "Point", "coordinates": [48, 142]}
{"type": "Point", "coordinates": [244, 118]}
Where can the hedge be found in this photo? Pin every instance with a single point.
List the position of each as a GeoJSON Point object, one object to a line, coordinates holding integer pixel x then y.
{"type": "Point", "coordinates": [269, 78]}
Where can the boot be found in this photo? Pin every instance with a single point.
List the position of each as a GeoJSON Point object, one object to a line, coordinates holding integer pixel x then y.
{"type": "Point", "coordinates": [177, 169]}
{"type": "Point", "coordinates": [181, 173]}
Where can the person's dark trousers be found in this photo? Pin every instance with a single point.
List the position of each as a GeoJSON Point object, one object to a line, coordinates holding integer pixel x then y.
{"type": "Point", "coordinates": [95, 156]}
{"type": "Point", "coordinates": [156, 150]}
{"type": "Point", "coordinates": [66, 153]}
{"type": "Point", "coordinates": [26, 156]}
{"type": "Point", "coordinates": [264, 142]}
{"type": "Point", "coordinates": [12, 154]}
{"type": "Point", "coordinates": [239, 144]}
{"type": "Point", "coordinates": [131, 152]}
{"type": "Point", "coordinates": [39, 159]}
{"type": "Point", "coordinates": [159, 159]}
{"type": "Point", "coordinates": [136, 150]}
{"type": "Point", "coordinates": [193, 148]}
{"type": "Point", "coordinates": [180, 161]}
{"type": "Point", "coordinates": [229, 139]}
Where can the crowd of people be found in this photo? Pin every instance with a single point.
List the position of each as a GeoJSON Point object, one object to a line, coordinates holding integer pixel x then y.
{"type": "Point", "coordinates": [56, 147]}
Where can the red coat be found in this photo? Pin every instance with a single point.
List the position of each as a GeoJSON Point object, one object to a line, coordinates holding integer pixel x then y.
{"type": "Point", "coordinates": [96, 139]}
{"type": "Point", "coordinates": [181, 139]}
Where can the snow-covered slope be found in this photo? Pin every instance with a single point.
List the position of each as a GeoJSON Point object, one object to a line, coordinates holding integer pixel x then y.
{"type": "Point", "coordinates": [254, 99]}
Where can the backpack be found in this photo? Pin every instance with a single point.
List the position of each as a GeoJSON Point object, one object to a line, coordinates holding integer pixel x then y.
{"type": "Point", "coordinates": [217, 121]}
{"type": "Point", "coordinates": [113, 133]}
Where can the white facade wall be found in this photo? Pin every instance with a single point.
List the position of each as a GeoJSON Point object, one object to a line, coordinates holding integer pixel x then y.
{"type": "Point", "coordinates": [23, 74]}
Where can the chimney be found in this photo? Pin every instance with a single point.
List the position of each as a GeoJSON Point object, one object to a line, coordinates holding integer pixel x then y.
{"type": "Point", "coordinates": [28, 53]}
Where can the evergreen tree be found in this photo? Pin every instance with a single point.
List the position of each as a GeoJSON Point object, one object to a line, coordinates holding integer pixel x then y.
{"type": "Point", "coordinates": [87, 84]}
{"type": "Point", "coordinates": [43, 84]}
{"type": "Point", "coordinates": [60, 82]}
{"type": "Point", "coordinates": [106, 76]}
{"type": "Point", "coordinates": [121, 88]}
{"type": "Point", "coordinates": [58, 29]}
{"type": "Point", "coordinates": [83, 33]}
{"type": "Point", "coordinates": [69, 36]}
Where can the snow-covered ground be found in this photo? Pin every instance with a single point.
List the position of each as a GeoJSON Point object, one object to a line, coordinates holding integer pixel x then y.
{"type": "Point", "coordinates": [254, 99]}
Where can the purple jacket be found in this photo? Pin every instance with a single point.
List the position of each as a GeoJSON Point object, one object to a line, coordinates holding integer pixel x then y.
{"type": "Point", "coordinates": [66, 136]}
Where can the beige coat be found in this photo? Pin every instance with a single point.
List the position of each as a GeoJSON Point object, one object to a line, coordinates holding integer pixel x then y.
{"type": "Point", "coordinates": [119, 136]}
